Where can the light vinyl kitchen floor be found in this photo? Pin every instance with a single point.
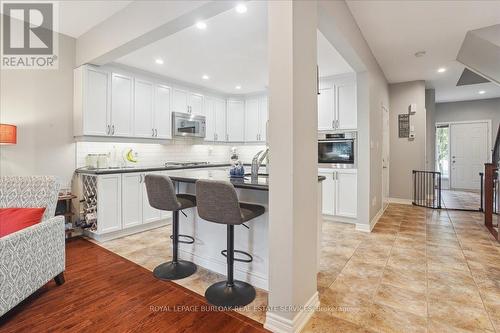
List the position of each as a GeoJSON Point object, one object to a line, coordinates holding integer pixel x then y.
{"type": "Point", "coordinates": [420, 270]}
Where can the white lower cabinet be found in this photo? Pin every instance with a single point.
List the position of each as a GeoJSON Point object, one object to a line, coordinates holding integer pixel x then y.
{"type": "Point", "coordinates": [122, 202]}
{"type": "Point", "coordinates": [339, 192]}
{"type": "Point", "coordinates": [131, 199]}
{"type": "Point", "coordinates": [109, 203]}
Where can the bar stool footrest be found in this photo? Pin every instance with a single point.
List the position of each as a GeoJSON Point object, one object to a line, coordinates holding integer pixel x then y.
{"type": "Point", "coordinates": [248, 255]}
{"type": "Point", "coordinates": [190, 241]}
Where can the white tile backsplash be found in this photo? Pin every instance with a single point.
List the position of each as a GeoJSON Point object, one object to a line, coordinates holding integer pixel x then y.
{"type": "Point", "coordinates": [152, 154]}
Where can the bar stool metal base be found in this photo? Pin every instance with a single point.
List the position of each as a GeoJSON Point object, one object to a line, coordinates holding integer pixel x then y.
{"type": "Point", "coordinates": [239, 294]}
{"type": "Point", "coordinates": [174, 270]}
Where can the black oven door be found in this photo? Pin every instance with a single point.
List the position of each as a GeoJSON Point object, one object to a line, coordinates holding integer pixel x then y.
{"type": "Point", "coordinates": [336, 151]}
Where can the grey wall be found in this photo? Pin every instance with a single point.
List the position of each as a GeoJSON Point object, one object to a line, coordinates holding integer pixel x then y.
{"type": "Point", "coordinates": [482, 109]}
{"type": "Point", "coordinates": [406, 155]}
{"type": "Point", "coordinates": [40, 103]}
{"type": "Point", "coordinates": [430, 106]}
{"type": "Point", "coordinates": [339, 27]}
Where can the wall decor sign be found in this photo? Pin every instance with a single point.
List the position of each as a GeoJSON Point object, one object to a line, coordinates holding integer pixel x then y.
{"type": "Point", "coordinates": [404, 125]}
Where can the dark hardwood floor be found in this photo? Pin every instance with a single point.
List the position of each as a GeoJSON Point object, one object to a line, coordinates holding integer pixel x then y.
{"type": "Point", "coordinates": [107, 293]}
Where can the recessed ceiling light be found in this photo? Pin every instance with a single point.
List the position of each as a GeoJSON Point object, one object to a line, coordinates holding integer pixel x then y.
{"type": "Point", "coordinates": [241, 8]}
{"type": "Point", "coordinates": [159, 61]}
{"type": "Point", "coordinates": [419, 54]}
{"type": "Point", "coordinates": [205, 77]}
{"type": "Point", "coordinates": [201, 25]}
{"type": "Point", "coordinates": [482, 92]}
{"type": "Point", "coordinates": [237, 87]}
{"type": "Point", "coordinates": [441, 70]}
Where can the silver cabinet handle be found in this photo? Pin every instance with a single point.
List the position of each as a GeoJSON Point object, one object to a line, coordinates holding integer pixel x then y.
{"type": "Point", "coordinates": [333, 124]}
{"type": "Point", "coordinates": [156, 130]}
{"type": "Point", "coordinates": [227, 137]}
{"type": "Point", "coordinates": [112, 129]}
{"type": "Point", "coordinates": [153, 130]}
{"type": "Point", "coordinates": [108, 129]}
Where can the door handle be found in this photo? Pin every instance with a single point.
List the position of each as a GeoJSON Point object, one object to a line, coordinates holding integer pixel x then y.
{"type": "Point", "coordinates": [153, 130]}
{"type": "Point", "coordinates": [112, 129]}
{"type": "Point", "coordinates": [156, 132]}
{"type": "Point", "coordinates": [108, 129]}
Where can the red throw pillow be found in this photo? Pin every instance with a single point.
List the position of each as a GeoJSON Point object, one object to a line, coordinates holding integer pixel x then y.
{"type": "Point", "coordinates": [15, 219]}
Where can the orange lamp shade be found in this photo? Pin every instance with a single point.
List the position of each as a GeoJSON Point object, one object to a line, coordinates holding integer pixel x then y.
{"type": "Point", "coordinates": [8, 134]}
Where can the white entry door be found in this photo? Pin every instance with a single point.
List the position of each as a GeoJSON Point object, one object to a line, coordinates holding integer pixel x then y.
{"type": "Point", "coordinates": [468, 152]}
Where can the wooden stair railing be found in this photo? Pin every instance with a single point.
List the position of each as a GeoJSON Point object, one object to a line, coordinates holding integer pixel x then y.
{"type": "Point", "coordinates": [490, 171]}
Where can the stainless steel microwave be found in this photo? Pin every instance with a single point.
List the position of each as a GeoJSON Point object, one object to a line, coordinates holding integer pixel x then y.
{"type": "Point", "coordinates": [337, 150]}
{"type": "Point", "coordinates": [188, 125]}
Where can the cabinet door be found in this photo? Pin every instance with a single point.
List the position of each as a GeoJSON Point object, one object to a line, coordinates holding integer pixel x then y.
{"type": "Point", "coordinates": [149, 214]}
{"type": "Point", "coordinates": [220, 120]}
{"type": "Point", "coordinates": [131, 199]}
{"type": "Point", "coordinates": [326, 110]}
{"type": "Point", "coordinates": [109, 208]}
{"type": "Point", "coordinates": [162, 114]}
{"type": "Point", "coordinates": [96, 102]}
{"type": "Point", "coordinates": [346, 194]}
{"type": "Point", "coordinates": [196, 104]}
{"type": "Point", "coordinates": [346, 103]}
{"type": "Point", "coordinates": [210, 119]}
{"type": "Point", "coordinates": [328, 193]}
{"type": "Point", "coordinates": [121, 105]}
{"type": "Point", "coordinates": [252, 130]}
{"type": "Point", "coordinates": [263, 117]}
{"type": "Point", "coordinates": [180, 101]}
{"type": "Point", "coordinates": [235, 120]}
{"type": "Point", "coordinates": [143, 109]}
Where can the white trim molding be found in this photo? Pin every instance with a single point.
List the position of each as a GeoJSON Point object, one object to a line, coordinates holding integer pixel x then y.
{"type": "Point", "coordinates": [400, 201]}
{"type": "Point", "coordinates": [276, 323]}
{"type": "Point", "coordinates": [368, 228]}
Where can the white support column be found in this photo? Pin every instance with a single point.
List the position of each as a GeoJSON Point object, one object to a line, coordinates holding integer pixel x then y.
{"type": "Point", "coordinates": [293, 196]}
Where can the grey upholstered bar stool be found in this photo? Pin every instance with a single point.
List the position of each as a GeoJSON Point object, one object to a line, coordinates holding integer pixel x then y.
{"type": "Point", "coordinates": [162, 196]}
{"type": "Point", "coordinates": [217, 202]}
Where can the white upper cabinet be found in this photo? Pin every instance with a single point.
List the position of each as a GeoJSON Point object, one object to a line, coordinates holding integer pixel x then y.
{"type": "Point", "coordinates": [196, 104]}
{"type": "Point", "coordinates": [256, 119]}
{"type": "Point", "coordinates": [252, 130]}
{"type": "Point", "coordinates": [91, 101]}
{"type": "Point", "coordinates": [235, 120]}
{"type": "Point", "coordinates": [180, 101]}
{"type": "Point", "coordinates": [215, 113]}
{"type": "Point", "coordinates": [210, 119]}
{"type": "Point", "coordinates": [326, 110]}
{"type": "Point", "coordinates": [220, 120]}
{"type": "Point", "coordinates": [263, 117]}
{"type": "Point", "coordinates": [143, 109]}
{"type": "Point", "coordinates": [121, 105]}
{"type": "Point", "coordinates": [162, 115]}
{"type": "Point", "coordinates": [337, 106]}
{"type": "Point", "coordinates": [345, 90]}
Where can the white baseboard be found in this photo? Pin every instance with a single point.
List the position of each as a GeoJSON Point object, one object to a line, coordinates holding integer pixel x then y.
{"type": "Point", "coordinates": [127, 232]}
{"type": "Point", "coordinates": [276, 323]}
{"type": "Point", "coordinates": [400, 201]}
{"type": "Point", "coordinates": [219, 265]}
{"type": "Point", "coordinates": [340, 219]}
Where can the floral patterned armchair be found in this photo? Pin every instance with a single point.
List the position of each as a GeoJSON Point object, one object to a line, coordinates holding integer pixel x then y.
{"type": "Point", "coordinates": [31, 257]}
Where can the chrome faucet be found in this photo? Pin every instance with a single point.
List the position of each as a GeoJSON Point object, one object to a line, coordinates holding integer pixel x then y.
{"type": "Point", "coordinates": [257, 162]}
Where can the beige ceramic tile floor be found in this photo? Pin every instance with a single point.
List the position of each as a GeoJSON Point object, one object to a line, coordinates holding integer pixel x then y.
{"type": "Point", "coordinates": [420, 270]}
{"type": "Point", "coordinates": [461, 199]}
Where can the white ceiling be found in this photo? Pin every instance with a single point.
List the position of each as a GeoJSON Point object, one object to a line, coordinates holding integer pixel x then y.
{"type": "Point", "coordinates": [231, 51]}
{"type": "Point", "coordinates": [395, 30]}
{"type": "Point", "coordinates": [78, 16]}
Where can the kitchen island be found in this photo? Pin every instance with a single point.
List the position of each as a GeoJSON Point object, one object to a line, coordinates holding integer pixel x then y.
{"type": "Point", "coordinates": [210, 238]}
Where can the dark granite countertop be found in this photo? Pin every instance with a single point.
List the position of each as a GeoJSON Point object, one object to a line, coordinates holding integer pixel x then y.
{"type": "Point", "coordinates": [190, 174]}
{"type": "Point", "coordinates": [146, 169]}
